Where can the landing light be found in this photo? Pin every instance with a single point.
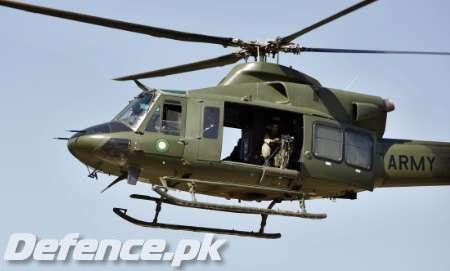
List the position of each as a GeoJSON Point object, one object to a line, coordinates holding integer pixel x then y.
{"type": "Point", "coordinates": [162, 145]}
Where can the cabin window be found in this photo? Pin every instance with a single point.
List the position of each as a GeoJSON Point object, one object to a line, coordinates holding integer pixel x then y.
{"type": "Point", "coordinates": [154, 124]}
{"type": "Point", "coordinates": [358, 149]}
{"type": "Point", "coordinates": [328, 142]}
{"type": "Point", "coordinates": [211, 116]}
{"type": "Point", "coordinates": [171, 119]}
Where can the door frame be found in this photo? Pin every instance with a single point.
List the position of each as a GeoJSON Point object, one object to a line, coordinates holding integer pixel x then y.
{"type": "Point", "coordinates": [210, 148]}
{"type": "Point", "coordinates": [196, 146]}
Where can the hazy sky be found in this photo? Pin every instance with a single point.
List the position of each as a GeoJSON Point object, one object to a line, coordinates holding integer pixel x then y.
{"type": "Point", "coordinates": [55, 75]}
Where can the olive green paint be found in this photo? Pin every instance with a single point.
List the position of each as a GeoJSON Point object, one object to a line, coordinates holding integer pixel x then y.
{"type": "Point", "coordinates": [396, 163]}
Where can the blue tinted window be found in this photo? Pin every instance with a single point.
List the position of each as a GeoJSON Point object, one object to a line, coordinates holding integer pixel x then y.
{"type": "Point", "coordinates": [211, 117]}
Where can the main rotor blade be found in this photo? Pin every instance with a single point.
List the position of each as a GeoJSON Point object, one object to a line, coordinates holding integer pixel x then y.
{"type": "Point", "coordinates": [342, 13]}
{"type": "Point", "coordinates": [194, 66]}
{"type": "Point", "coordinates": [357, 51]}
{"type": "Point", "coordinates": [122, 25]}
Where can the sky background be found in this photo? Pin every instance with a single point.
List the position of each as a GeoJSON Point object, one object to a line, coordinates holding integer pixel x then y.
{"type": "Point", "coordinates": [55, 75]}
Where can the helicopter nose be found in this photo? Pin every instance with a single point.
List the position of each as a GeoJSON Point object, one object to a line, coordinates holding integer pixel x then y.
{"type": "Point", "coordinates": [83, 147]}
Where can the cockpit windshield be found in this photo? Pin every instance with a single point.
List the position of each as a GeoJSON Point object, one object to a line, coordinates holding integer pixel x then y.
{"type": "Point", "coordinates": [137, 109]}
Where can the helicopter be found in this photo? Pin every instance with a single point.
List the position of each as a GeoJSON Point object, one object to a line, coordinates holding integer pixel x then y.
{"type": "Point", "coordinates": [299, 140]}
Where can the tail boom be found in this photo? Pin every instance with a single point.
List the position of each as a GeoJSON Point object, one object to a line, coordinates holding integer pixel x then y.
{"type": "Point", "coordinates": [414, 163]}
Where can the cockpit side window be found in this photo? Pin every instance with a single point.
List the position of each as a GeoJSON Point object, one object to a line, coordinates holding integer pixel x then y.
{"type": "Point", "coordinates": [154, 124]}
{"type": "Point", "coordinates": [171, 118]}
{"type": "Point", "coordinates": [166, 118]}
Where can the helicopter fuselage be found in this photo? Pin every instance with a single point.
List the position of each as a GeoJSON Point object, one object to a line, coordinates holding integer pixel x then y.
{"type": "Point", "coordinates": [338, 147]}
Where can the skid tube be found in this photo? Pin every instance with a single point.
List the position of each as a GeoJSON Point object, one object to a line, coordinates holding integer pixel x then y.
{"type": "Point", "coordinates": [123, 214]}
{"type": "Point", "coordinates": [168, 199]}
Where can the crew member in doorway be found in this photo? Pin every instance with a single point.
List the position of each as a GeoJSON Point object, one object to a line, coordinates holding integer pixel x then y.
{"type": "Point", "coordinates": [277, 147]}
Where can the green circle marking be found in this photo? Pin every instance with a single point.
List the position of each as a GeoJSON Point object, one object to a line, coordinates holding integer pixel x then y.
{"type": "Point", "coordinates": [162, 145]}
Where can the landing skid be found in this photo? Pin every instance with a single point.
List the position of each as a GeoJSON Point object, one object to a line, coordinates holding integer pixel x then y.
{"type": "Point", "coordinates": [123, 214]}
{"type": "Point", "coordinates": [168, 199]}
